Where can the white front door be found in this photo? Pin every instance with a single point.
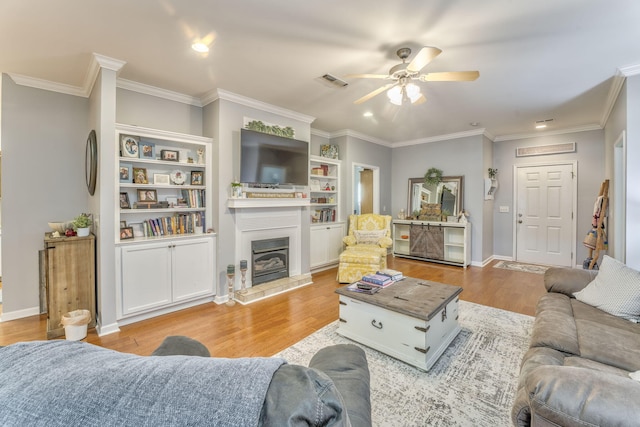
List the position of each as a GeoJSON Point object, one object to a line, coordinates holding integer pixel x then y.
{"type": "Point", "coordinates": [544, 214]}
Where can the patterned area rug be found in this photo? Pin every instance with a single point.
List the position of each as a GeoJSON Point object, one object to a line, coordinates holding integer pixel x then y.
{"type": "Point", "coordinates": [472, 384]}
{"type": "Point", "coordinates": [519, 266]}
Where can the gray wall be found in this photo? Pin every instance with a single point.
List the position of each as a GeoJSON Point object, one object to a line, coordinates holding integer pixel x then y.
{"type": "Point", "coordinates": [43, 148]}
{"type": "Point", "coordinates": [590, 174]}
{"type": "Point", "coordinates": [149, 111]}
{"type": "Point", "coordinates": [356, 150]}
{"type": "Point", "coordinates": [461, 156]}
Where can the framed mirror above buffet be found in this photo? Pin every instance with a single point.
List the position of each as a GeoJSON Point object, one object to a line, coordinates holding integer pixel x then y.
{"type": "Point", "coordinates": [433, 202]}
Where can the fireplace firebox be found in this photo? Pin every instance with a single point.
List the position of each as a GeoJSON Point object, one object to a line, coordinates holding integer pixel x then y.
{"type": "Point", "coordinates": [269, 260]}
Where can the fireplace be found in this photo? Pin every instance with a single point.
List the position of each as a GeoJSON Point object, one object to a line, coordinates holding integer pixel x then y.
{"type": "Point", "coordinates": [269, 260]}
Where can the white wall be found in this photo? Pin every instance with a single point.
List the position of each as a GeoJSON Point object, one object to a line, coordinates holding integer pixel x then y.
{"type": "Point", "coordinates": [43, 150]}
{"type": "Point", "coordinates": [633, 172]}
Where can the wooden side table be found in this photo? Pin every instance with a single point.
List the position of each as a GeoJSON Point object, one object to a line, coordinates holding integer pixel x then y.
{"type": "Point", "coordinates": [69, 279]}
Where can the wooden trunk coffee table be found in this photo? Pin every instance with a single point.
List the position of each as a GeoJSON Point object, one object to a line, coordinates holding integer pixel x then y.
{"type": "Point", "coordinates": [412, 320]}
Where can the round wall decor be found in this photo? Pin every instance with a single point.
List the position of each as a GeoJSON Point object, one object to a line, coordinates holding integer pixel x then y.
{"type": "Point", "coordinates": [91, 162]}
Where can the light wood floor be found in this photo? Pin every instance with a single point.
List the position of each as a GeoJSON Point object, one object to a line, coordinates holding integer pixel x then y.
{"type": "Point", "coordinates": [266, 327]}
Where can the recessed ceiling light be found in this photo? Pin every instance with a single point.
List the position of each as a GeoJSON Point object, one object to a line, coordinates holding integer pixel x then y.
{"type": "Point", "coordinates": [368, 114]}
{"type": "Point", "coordinates": [474, 123]}
{"type": "Point", "coordinates": [200, 47]}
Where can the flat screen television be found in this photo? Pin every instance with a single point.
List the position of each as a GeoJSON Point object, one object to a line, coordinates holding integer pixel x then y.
{"type": "Point", "coordinates": [273, 160]}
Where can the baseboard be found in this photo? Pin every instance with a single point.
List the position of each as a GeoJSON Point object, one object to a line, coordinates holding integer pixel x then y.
{"type": "Point", "coordinates": [19, 314]}
{"type": "Point", "coordinates": [106, 330]}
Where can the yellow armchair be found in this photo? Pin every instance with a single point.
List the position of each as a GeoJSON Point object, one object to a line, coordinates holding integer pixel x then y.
{"type": "Point", "coordinates": [366, 252]}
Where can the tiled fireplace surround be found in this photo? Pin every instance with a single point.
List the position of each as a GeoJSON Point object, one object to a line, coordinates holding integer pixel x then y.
{"type": "Point", "coordinates": [258, 222]}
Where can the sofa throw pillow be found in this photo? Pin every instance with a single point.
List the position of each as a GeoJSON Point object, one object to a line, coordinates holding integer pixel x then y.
{"type": "Point", "coordinates": [369, 237]}
{"type": "Point", "coordinates": [616, 290]}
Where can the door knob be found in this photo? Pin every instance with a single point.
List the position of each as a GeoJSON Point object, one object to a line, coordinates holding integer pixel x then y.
{"type": "Point", "coordinates": [519, 221]}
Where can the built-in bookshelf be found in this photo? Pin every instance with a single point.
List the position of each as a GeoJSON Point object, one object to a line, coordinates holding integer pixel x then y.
{"type": "Point", "coordinates": [166, 254]}
{"type": "Point", "coordinates": [163, 184]}
{"type": "Point", "coordinates": [324, 189]}
{"type": "Point", "coordinates": [327, 227]}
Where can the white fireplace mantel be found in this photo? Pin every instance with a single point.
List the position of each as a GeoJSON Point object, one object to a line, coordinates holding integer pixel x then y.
{"type": "Point", "coordinates": [268, 202]}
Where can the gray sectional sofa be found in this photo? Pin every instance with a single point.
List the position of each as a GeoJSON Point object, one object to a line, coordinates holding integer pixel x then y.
{"type": "Point", "coordinates": [576, 372]}
{"type": "Point", "coordinates": [66, 383]}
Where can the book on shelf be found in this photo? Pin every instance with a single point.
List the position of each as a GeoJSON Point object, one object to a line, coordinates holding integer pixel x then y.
{"type": "Point", "coordinates": [377, 279]}
{"type": "Point", "coordinates": [180, 223]}
{"type": "Point", "coordinates": [395, 275]}
{"type": "Point", "coordinates": [354, 287]}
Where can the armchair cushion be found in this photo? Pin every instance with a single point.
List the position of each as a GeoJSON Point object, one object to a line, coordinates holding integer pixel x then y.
{"type": "Point", "coordinates": [368, 237]}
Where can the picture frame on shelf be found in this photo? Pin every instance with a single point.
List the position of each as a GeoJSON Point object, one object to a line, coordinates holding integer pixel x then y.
{"type": "Point", "coordinates": [197, 178]}
{"type": "Point", "coordinates": [147, 195]}
{"type": "Point", "coordinates": [147, 150]}
{"type": "Point", "coordinates": [129, 146]}
{"type": "Point", "coordinates": [170, 155]}
{"type": "Point", "coordinates": [161, 179]}
{"type": "Point", "coordinates": [123, 224]}
{"type": "Point", "coordinates": [177, 177]}
{"type": "Point", "coordinates": [140, 176]}
{"type": "Point", "coordinates": [124, 201]}
{"type": "Point", "coordinates": [126, 233]}
{"type": "Point", "coordinates": [125, 173]}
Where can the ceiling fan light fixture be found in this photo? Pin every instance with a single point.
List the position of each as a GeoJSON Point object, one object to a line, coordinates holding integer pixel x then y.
{"type": "Point", "coordinates": [413, 92]}
{"type": "Point", "coordinates": [395, 95]}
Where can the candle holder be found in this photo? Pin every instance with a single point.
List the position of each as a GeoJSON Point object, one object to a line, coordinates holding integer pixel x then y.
{"type": "Point", "coordinates": [243, 271]}
{"type": "Point", "coordinates": [231, 273]}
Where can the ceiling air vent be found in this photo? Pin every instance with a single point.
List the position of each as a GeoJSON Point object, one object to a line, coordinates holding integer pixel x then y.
{"type": "Point", "coordinates": [541, 150]}
{"type": "Point", "coordinates": [333, 81]}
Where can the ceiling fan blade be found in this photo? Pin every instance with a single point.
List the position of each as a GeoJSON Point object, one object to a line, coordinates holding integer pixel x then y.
{"type": "Point", "coordinates": [374, 93]}
{"type": "Point", "coordinates": [450, 76]}
{"type": "Point", "coordinates": [423, 57]}
{"type": "Point", "coordinates": [367, 76]}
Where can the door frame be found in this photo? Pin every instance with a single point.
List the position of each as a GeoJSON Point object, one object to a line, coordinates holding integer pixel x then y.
{"type": "Point", "coordinates": [355, 168]}
{"type": "Point", "coordinates": [619, 228]}
{"type": "Point", "coordinates": [574, 204]}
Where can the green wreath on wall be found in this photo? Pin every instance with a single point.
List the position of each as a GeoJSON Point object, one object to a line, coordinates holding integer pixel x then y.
{"type": "Point", "coordinates": [433, 176]}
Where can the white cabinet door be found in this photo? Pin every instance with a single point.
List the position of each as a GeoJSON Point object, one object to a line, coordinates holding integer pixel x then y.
{"type": "Point", "coordinates": [318, 249]}
{"type": "Point", "coordinates": [146, 277]}
{"type": "Point", "coordinates": [335, 233]}
{"type": "Point", "coordinates": [193, 268]}
{"type": "Point", "coordinates": [326, 244]}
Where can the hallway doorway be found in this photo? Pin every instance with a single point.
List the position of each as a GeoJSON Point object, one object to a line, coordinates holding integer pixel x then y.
{"type": "Point", "coordinates": [366, 189]}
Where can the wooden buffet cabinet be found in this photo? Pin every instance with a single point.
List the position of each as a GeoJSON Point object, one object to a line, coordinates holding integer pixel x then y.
{"type": "Point", "coordinates": [69, 273]}
{"type": "Point", "coordinates": [442, 242]}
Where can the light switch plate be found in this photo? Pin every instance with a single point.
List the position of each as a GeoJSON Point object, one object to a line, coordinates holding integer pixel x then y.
{"type": "Point", "coordinates": [504, 209]}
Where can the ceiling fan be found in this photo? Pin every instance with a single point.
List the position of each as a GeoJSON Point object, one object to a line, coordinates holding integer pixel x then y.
{"type": "Point", "coordinates": [402, 76]}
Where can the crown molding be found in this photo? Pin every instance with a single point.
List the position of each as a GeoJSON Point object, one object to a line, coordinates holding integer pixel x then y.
{"type": "Point", "coordinates": [320, 133]}
{"type": "Point", "coordinates": [548, 133]}
{"type": "Point", "coordinates": [47, 85]}
{"type": "Point", "coordinates": [616, 86]}
{"type": "Point", "coordinates": [630, 70]}
{"type": "Point", "coordinates": [97, 62]}
{"type": "Point", "coordinates": [253, 103]}
{"type": "Point", "coordinates": [158, 92]}
{"type": "Point", "coordinates": [364, 137]}
{"type": "Point", "coordinates": [445, 137]}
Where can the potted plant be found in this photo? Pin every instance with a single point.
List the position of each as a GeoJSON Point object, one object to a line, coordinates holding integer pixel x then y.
{"type": "Point", "coordinates": [236, 189]}
{"type": "Point", "coordinates": [81, 224]}
{"type": "Point", "coordinates": [492, 173]}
